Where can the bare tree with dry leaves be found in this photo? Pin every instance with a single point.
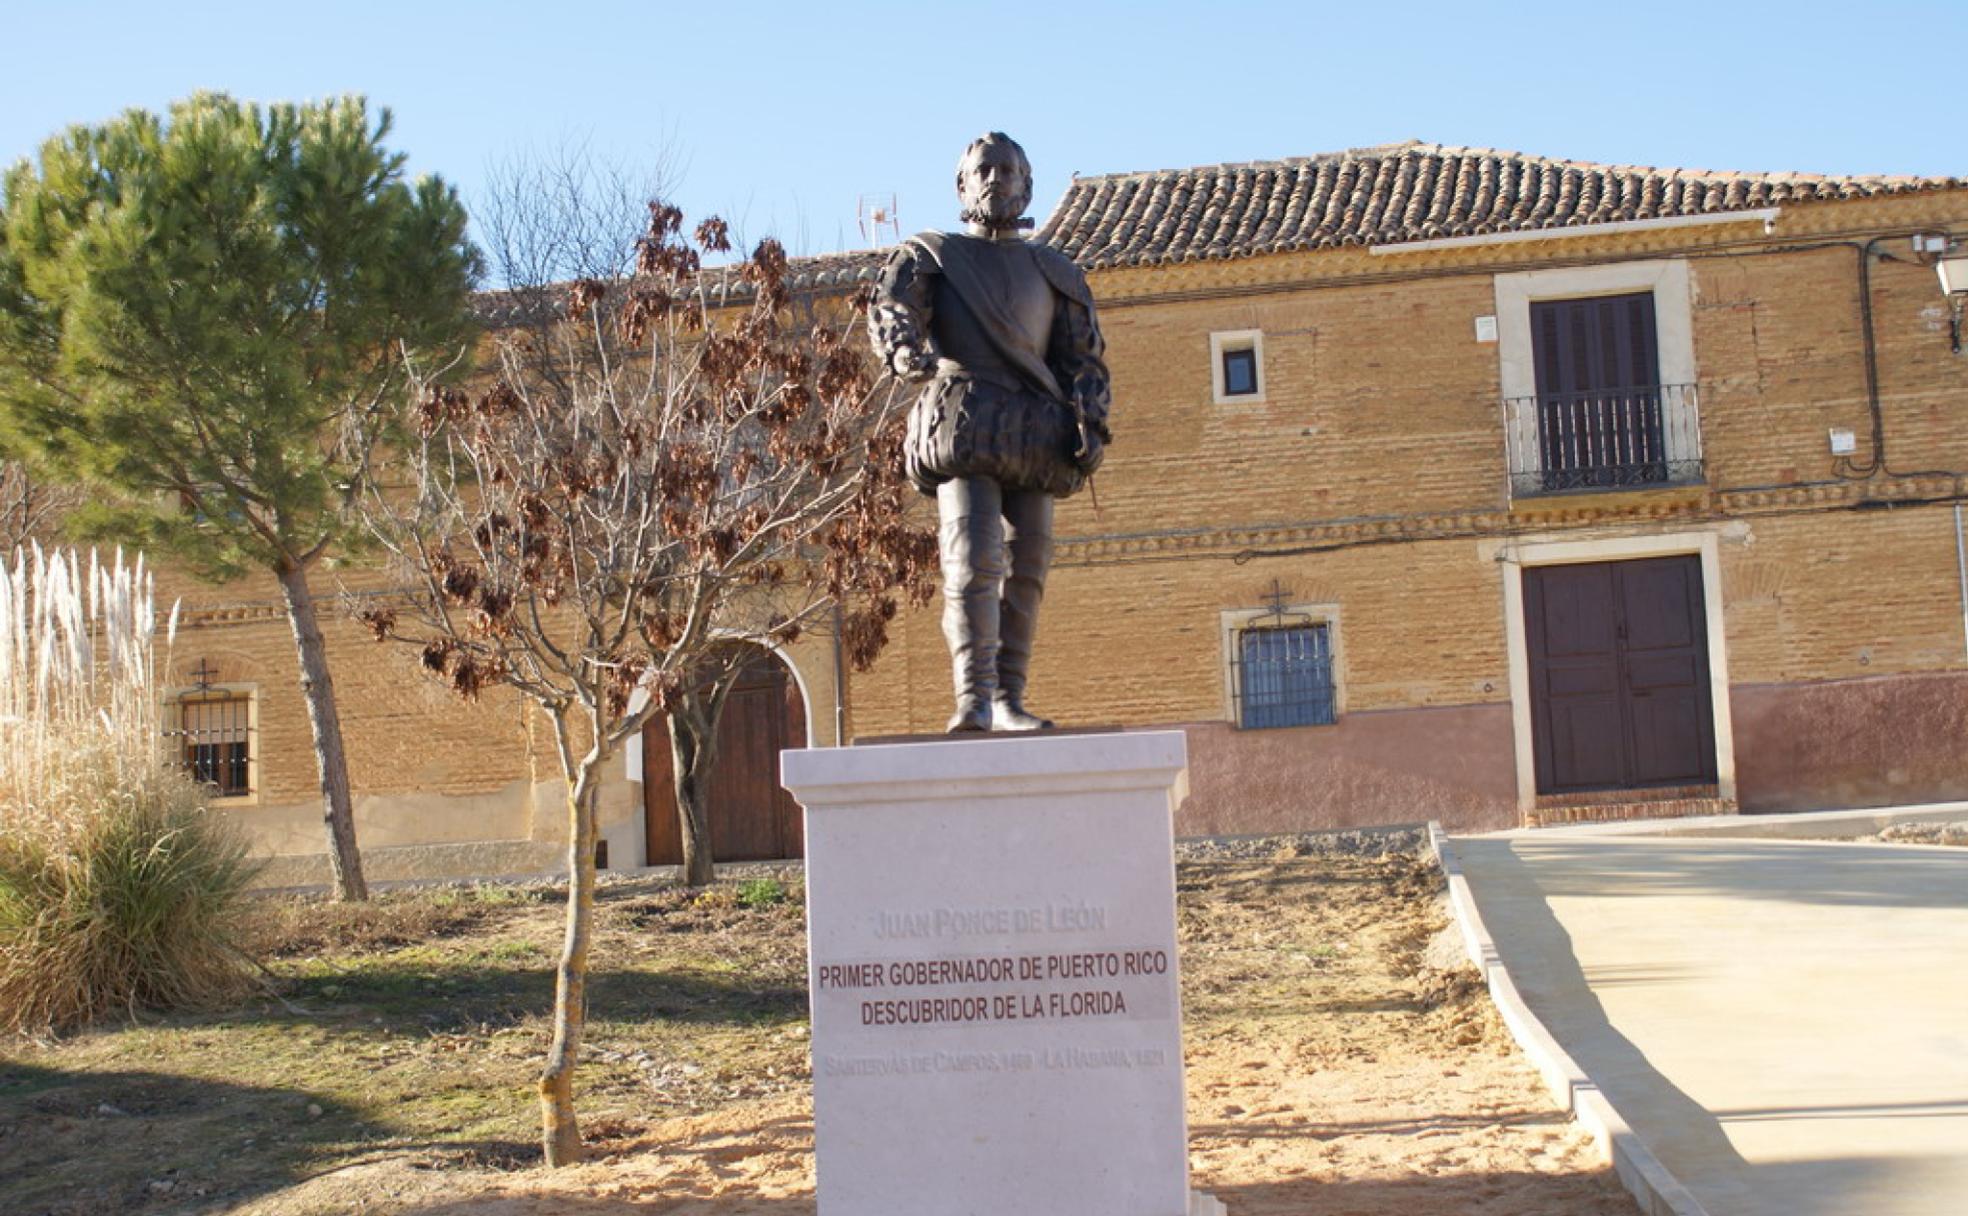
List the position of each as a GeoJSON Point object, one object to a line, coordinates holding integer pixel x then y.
{"type": "Point", "coordinates": [30, 509]}
{"type": "Point", "coordinates": [713, 462]}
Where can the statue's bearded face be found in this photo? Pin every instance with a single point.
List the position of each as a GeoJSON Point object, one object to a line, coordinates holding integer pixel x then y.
{"type": "Point", "coordinates": [995, 185]}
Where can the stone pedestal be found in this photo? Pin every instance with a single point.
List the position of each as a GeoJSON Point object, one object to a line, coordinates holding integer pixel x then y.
{"type": "Point", "coordinates": [991, 932]}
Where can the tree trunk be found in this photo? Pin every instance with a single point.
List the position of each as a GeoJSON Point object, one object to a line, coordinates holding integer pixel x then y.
{"type": "Point", "coordinates": [560, 1134]}
{"type": "Point", "coordinates": [693, 748]}
{"type": "Point", "coordinates": [318, 690]}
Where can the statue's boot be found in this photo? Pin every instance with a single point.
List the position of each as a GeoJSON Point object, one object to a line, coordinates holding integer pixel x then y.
{"type": "Point", "coordinates": [973, 580]}
{"type": "Point", "coordinates": [974, 655]}
{"type": "Point", "coordinates": [1029, 540]}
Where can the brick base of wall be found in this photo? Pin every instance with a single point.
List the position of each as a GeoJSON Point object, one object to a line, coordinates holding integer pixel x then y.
{"type": "Point", "coordinates": [1620, 806]}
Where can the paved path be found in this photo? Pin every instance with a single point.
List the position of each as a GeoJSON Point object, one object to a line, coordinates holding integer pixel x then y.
{"type": "Point", "coordinates": [1784, 1023]}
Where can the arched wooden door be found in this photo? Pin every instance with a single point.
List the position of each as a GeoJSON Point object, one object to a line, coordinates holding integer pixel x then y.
{"type": "Point", "coordinates": [752, 817]}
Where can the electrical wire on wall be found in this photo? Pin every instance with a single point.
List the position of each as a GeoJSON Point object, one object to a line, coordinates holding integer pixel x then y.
{"type": "Point", "coordinates": [1875, 465]}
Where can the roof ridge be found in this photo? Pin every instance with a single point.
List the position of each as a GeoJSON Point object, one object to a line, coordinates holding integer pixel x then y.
{"type": "Point", "coordinates": [1387, 194]}
{"type": "Point", "coordinates": [1451, 151]}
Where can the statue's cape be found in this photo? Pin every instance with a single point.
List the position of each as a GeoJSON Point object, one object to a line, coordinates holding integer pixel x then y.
{"type": "Point", "coordinates": [960, 272]}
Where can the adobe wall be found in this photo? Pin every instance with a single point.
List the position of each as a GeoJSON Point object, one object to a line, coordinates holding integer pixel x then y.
{"type": "Point", "coordinates": [1881, 741]}
{"type": "Point", "coordinates": [1450, 764]}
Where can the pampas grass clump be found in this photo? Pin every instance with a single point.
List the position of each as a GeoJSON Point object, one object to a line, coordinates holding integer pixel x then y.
{"type": "Point", "coordinates": [119, 889]}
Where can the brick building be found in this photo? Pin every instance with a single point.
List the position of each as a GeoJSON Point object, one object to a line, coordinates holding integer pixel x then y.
{"type": "Point", "coordinates": [1447, 484]}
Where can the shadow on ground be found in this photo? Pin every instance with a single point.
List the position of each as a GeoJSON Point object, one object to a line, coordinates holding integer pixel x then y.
{"type": "Point", "coordinates": [458, 996]}
{"type": "Point", "coordinates": [66, 1137]}
{"type": "Point", "coordinates": [1471, 1194]}
{"type": "Point", "coordinates": [579, 1205]}
{"type": "Point", "coordinates": [1476, 1194]}
{"type": "Point", "coordinates": [1857, 875]}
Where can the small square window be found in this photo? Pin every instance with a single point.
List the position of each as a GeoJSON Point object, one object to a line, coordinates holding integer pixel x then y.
{"type": "Point", "coordinates": [1237, 366]}
{"type": "Point", "coordinates": [1284, 677]}
{"type": "Point", "coordinates": [1239, 372]}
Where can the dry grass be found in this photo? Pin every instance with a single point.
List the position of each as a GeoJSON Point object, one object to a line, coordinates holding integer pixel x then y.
{"type": "Point", "coordinates": [316, 925]}
{"type": "Point", "coordinates": [413, 1027]}
{"type": "Point", "coordinates": [136, 907]}
{"type": "Point", "coordinates": [78, 697]}
{"type": "Point", "coordinates": [118, 889]}
{"type": "Point", "coordinates": [1330, 1069]}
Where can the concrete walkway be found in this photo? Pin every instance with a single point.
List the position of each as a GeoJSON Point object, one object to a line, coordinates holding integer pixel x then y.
{"type": "Point", "coordinates": [1784, 1023]}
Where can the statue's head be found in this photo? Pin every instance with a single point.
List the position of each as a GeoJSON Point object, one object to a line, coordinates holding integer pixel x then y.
{"type": "Point", "coordinates": [994, 181]}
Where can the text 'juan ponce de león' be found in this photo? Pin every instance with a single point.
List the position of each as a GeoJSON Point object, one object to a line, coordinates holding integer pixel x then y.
{"type": "Point", "coordinates": [1062, 916]}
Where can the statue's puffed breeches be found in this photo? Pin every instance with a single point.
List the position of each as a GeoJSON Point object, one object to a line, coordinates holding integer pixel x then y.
{"type": "Point", "coordinates": [962, 427]}
{"type": "Point", "coordinates": [996, 547]}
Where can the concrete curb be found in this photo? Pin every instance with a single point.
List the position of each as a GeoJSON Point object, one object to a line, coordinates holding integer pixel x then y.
{"type": "Point", "coordinates": [1658, 1191]}
{"type": "Point", "coordinates": [1818, 826]}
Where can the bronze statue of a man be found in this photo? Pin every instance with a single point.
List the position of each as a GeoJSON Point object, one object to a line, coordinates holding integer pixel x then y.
{"type": "Point", "coordinates": [1013, 414]}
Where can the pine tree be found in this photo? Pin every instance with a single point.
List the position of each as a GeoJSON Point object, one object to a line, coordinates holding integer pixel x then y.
{"type": "Point", "coordinates": [192, 309]}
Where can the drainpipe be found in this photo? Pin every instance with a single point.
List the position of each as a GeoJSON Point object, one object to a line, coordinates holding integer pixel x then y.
{"type": "Point", "coordinates": [1961, 569]}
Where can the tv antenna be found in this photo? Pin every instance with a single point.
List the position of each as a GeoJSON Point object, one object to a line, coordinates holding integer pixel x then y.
{"type": "Point", "coordinates": [877, 216]}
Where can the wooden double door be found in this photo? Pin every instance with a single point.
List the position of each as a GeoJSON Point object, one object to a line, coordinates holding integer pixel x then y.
{"type": "Point", "coordinates": [1619, 675]}
{"type": "Point", "coordinates": [752, 817]}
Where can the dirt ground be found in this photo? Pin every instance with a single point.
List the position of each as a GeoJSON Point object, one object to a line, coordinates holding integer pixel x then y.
{"type": "Point", "coordinates": [1330, 1067]}
{"type": "Point", "coordinates": [1951, 834]}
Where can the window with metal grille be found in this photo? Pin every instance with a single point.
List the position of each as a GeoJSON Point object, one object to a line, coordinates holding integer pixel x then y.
{"type": "Point", "coordinates": [214, 740]}
{"type": "Point", "coordinates": [1284, 676]}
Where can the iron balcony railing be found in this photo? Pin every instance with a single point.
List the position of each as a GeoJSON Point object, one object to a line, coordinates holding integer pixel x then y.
{"type": "Point", "coordinates": [1611, 439]}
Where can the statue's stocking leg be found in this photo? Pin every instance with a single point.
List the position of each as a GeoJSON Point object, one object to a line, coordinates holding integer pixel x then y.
{"type": "Point", "coordinates": [1028, 536]}
{"type": "Point", "coordinates": [971, 514]}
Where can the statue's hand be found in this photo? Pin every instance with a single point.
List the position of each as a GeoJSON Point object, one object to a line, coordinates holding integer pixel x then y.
{"type": "Point", "coordinates": [912, 362]}
{"type": "Point", "coordinates": [1094, 438]}
{"type": "Point", "coordinates": [1092, 451]}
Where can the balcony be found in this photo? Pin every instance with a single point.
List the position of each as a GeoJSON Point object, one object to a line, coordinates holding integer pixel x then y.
{"type": "Point", "coordinates": [1595, 442]}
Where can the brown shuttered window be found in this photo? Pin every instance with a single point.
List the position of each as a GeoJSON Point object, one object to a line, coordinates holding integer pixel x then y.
{"type": "Point", "coordinates": [1599, 394]}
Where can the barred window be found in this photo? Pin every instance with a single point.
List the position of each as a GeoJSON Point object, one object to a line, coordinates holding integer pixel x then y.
{"type": "Point", "coordinates": [214, 739]}
{"type": "Point", "coordinates": [1284, 676]}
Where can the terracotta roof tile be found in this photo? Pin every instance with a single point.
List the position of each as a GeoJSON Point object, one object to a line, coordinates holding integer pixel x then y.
{"type": "Point", "coordinates": [1400, 192]}
{"type": "Point", "coordinates": [1381, 195]}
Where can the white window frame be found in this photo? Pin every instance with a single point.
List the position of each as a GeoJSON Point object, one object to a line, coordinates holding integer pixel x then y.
{"type": "Point", "coordinates": [1228, 340]}
{"type": "Point", "coordinates": [1232, 624]}
{"type": "Point", "coordinates": [1672, 286]}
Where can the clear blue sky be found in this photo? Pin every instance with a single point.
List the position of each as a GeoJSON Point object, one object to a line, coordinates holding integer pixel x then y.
{"type": "Point", "coordinates": [780, 116]}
